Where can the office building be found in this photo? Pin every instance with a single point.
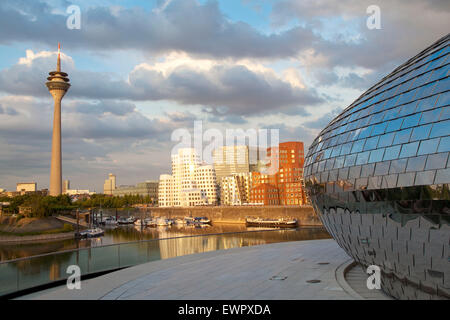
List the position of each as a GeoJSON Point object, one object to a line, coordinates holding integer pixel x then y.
{"type": "Point", "coordinates": [110, 184]}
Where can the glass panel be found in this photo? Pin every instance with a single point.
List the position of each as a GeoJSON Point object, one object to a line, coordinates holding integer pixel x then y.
{"type": "Point", "coordinates": [394, 125]}
{"type": "Point", "coordinates": [379, 128]}
{"type": "Point", "coordinates": [409, 150]}
{"type": "Point", "coordinates": [421, 132]}
{"type": "Point", "coordinates": [8, 278]}
{"type": "Point", "coordinates": [358, 146]}
{"type": "Point", "coordinates": [362, 157]}
{"type": "Point", "coordinates": [428, 146]}
{"type": "Point", "coordinates": [426, 104]}
{"type": "Point", "coordinates": [398, 166]}
{"type": "Point", "coordinates": [103, 258]}
{"type": "Point", "coordinates": [133, 253]}
{"type": "Point", "coordinates": [443, 99]}
{"type": "Point", "coordinates": [367, 170]}
{"type": "Point", "coordinates": [437, 161]}
{"type": "Point", "coordinates": [391, 114]}
{"type": "Point", "coordinates": [371, 143]}
{"type": "Point", "coordinates": [416, 163]}
{"type": "Point", "coordinates": [442, 176]}
{"type": "Point", "coordinates": [424, 178]}
{"type": "Point", "coordinates": [355, 172]}
{"type": "Point", "coordinates": [411, 121]}
{"type": "Point", "coordinates": [440, 129]}
{"type": "Point", "coordinates": [350, 160]}
{"type": "Point", "coordinates": [406, 179]}
{"type": "Point", "coordinates": [365, 132]}
{"type": "Point", "coordinates": [376, 155]}
{"type": "Point", "coordinates": [339, 162]}
{"type": "Point", "coordinates": [430, 116]}
{"type": "Point", "coordinates": [346, 148]}
{"type": "Point", "coordinates": [387, 139]}
{"type": "Point", "coordinates": [444, 144]}
{"type": "Point", "coordinates": [407, 109]}
{"type": "Point", "coordinates": [391, 153]}
{"type": "Point", "coordinates": [382, 168]}
{"type": "Point", "coordinates": [442, 85]}
{"type": "Point", "coordinates": [445, 113]}
{"type": "Point", "coordinates": [402, 136]}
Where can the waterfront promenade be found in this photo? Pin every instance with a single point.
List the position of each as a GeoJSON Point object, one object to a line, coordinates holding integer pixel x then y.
{"type": "Point", "coordinates": [291, 270]}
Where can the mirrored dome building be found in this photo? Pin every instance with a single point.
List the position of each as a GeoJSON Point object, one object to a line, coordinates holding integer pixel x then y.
{"type": "Point", "coordinates": [379, 174]}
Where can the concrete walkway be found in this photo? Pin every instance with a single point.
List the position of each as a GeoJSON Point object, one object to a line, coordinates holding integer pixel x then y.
{"type": "Point", "coordinates": [289, 270]}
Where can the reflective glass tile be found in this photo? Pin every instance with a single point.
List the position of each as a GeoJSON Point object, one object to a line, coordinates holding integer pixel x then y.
{"type": "Point", "coordinates": [411, 121]}
{"type": "Point", "coordinates": [365, 132]}
{"type": "Point", "coordinates": [392, 113]}
{"type": "Point", "coordinates": [358, 145]}
{"type": "Point", "coordinates": [339, 162]}
{"type": "Point", "coordinates": [376, 155]}
{"type": "Point", "coordinates": [426, 104]}
{"type": "Point", "coordinates": [445, 113]}
{"type": "Point", "coordinates": [350, 160]}
{"type": "Point", "coordinates": [394, 125]}
{"type": "Point", "coordinates": [379, 128]}
{"type": "Point", "coordinates": [424, 178]}
{"type": "Point", "coordinates": [407, 109]}
{"type": "Point", "coordinates": [444, 144]}
{"type": "Point", "coordinates": [362, 157]}
{"type": "Point", "coordinates": [442, 176]}
{"type": "Point", "coordinates": [428, 146]}
{"type": "Point", "coordinates": [402, 136]}
{"type": "Point", "coordinates": [443, 99]}
{"type": "Point", "coordinates": [409, 149]}
{"type": "Point", "coordinates": [442, 85]}
{"type": "Point", "coordinates": [371, 143]}
{"type": "Point", "coordinates": [355, 172]}
{"type": "Point", "coordinates": [330, 163]}
{"type": "Point", "coordinates": [416, 163]}
{"type": "Point", "coordinates": [343, 173]}
{"type": "Point", "coordinates": [382, 168]}
{"type": "Point", "coordinates": [387, 139]}
{"type": "Point", "coordinates": [367, 170]}
{"type": "Point", "coordinates": [389, 181]}
{"type": "Point", "coordinates": [436, 161]}
{"type": "Point", "coordinates": [346, 148]}
{"type": "Point", "coordinates": [406, 179]}
{"type": "Point", "coordinates": [430, 116]}
{"type": "Point", "coordinates": [398, 166]}
{"type": "Point", "coordinates": [392, 153]}
{"type": "Point", "coordinates": [420, 133]}
{"type": "Point", "coordinates": [440, 129]}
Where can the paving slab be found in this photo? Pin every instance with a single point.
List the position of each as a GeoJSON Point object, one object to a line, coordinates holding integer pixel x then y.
{"type": "Point", "coordinates": [272, 271]}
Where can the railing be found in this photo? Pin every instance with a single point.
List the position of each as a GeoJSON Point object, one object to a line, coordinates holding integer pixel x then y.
{"type": "Point", "coordinates": [30, 272]}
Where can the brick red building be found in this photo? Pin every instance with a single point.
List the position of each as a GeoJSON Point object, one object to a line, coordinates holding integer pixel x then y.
{"type": "Point", "coordinates": [284, 173]}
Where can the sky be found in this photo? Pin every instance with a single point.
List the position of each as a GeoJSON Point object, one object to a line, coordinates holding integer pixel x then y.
{"type": "Point", "coordinates": [140, 70]}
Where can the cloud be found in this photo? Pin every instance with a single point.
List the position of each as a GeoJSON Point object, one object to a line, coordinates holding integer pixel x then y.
{"type": "Point", "coordinates": [243, 88]}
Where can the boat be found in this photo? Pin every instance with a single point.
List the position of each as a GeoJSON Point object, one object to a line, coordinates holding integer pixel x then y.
{"type": "Point", "coordinates": [161, 221]}
{"type": "Point", "coordinates": [271, 223]}
{"type": "Point", "coordinates": [201, 220]}
{"type": "Point", "coordinates": [91, 233]}
{"type": "Point", "coordinates": [111, 221]}
{"type": "Point", "coordinates": [124, 220]}
{"type": "Point", "coordinates": [180, 221]}
{"type": "Point", "coordinates": [189, 220]}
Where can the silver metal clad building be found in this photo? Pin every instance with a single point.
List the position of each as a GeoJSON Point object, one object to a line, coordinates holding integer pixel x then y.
{"type": "Point", "coordinates": [378, 176]}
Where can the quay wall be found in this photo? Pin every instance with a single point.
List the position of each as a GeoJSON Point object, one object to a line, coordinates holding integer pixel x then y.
{"type": "Point", "coordinates": [237, 214]}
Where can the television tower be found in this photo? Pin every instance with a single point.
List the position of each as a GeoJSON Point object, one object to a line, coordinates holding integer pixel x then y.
{"type": "Point", "coordinates": [57, 84]}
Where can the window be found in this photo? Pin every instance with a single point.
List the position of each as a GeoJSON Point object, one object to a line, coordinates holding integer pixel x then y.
{"type": "Point", "coordinates": [358, 146]}
{"type": "Point", "coordinates": [411, 121]}
{"type": "Point", "coordinates": [371, 143]}
{"type": "Point", "coordinates": [444, 144]}
{"type": "Point", "coordinates": [416, 163]}
{"type": "Point", "coordinates": [394, 125]}
{"type": "Point", "coordinates": [362, 158]}
{"type": "Point", "coordinates": [430, 116]}
{"type": "Point", "coordinates": [437, 161]}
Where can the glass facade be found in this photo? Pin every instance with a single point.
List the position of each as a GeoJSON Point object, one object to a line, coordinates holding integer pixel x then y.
{"type": "Point", "coordinates": [379, 175]}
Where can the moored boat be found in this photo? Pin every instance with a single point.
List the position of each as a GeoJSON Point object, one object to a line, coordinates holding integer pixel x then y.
{"type": "Point", "coordinates": [272, 223]}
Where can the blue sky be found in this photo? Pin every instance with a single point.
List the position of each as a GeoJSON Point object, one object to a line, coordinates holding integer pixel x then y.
{"type": "Point", "coordinates": [142, 69]}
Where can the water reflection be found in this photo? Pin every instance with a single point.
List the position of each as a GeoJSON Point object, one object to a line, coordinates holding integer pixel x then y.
{"type": "Point", "coordinates": [96, 257]}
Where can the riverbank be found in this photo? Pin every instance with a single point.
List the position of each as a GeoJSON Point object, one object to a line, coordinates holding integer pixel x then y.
{"type": "Point", "coordinates": [13, 229]}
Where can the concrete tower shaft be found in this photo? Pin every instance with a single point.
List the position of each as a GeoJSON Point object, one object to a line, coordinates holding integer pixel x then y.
{"type": "Point", "coordinates": [57, 84]}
